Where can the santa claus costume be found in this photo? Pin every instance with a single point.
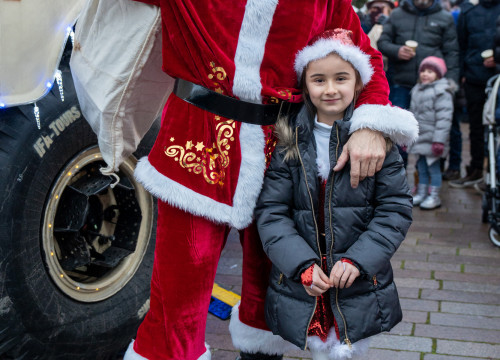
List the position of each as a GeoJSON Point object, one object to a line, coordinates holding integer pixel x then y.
{"type": "Point", "coordinates": [207, 166]}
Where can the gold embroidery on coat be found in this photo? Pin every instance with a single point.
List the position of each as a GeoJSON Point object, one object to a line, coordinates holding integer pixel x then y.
{"type": "Point", "coordinates": [211, 162]}
{"type": "Point", "coordinates": [285, 93]}
{"type": "Point", "coordinates": [220, 74]}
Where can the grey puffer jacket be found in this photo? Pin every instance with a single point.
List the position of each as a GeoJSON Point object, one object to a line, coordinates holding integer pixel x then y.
{"type": "Point", "coordinates": [432, 105]}
{"type": "Point", "coordinates": [433, 29]}
{"type": "Point", "coordinates": [366, 225]}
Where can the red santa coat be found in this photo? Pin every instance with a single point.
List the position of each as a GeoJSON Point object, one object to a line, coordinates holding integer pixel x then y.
{"type": "Point", "coordinates": [212, 166]}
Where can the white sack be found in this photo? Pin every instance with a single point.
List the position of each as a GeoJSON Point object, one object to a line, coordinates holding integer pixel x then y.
{"type": "Point", "coordinates": [116, 66]}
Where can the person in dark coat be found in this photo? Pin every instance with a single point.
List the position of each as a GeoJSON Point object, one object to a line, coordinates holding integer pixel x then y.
{"type": "Point", "coordinates": [433, 28]}
{"type": "Point", "coordinates": [476, 29]}
{"type": "Point", "coordinates": [331, 284]}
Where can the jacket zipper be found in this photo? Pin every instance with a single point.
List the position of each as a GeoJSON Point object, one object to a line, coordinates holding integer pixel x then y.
{"type": "Point", "coordinates": [314, 218]}
{"type": "Point", "coordinates": [281, 279]}
{"type": "Point", "coordinates": [347, 341]}
{"type": "Point", "coordinates": [374, 279]}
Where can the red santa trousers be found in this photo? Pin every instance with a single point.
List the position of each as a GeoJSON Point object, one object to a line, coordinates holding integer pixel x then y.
{"type": "Point", "coordinates": [188, 249]}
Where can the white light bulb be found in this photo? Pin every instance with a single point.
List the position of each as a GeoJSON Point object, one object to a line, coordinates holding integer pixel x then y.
{"type": "Point", "coordinates": [59, 81]}
{"type": "Point", "coordinates": [36, 111]}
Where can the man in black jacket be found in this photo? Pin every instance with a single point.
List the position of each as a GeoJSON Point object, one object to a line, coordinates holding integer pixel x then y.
{"type": "Point", "coordinates": [433, 28]}
{"type": "Point", "coordinates": [476, 30]}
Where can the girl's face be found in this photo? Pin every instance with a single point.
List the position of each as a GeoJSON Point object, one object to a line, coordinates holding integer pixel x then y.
{"type": "Point", "coordinates": [331, 85]}
{"type": "Point", "coordinates": [427, 76]}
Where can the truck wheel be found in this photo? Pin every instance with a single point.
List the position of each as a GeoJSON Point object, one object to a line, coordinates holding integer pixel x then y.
{"type": "Point", "coordinates": [76, 254]}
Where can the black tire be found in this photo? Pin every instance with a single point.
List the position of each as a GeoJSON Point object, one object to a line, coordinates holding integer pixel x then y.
{"type": "Point", "coordinates": [39, 318]}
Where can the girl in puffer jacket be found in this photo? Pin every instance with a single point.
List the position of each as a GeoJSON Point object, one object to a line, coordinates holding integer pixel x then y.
{"type": "Point", "coordinates": [432, 105]}
{"type": "Point", "coordinates": [331, 285]}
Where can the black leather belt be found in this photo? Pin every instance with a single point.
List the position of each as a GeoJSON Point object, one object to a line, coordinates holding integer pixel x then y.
{"type": "Point", "coordinates": [232, 108]}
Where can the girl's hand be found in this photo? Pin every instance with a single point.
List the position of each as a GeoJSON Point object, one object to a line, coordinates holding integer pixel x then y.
{"type": "Point", "coordinates": [437, 148]}
{"type": "Point", "coordinates": [343, 274]}
{"type": "Point", "coordinates": [320, 282]}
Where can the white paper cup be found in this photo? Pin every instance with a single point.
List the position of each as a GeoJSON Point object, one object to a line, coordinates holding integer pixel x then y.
{"type": "Point", "coordinates": [412, 44]}
{"type": "Point", "coordinates": [487, 54]}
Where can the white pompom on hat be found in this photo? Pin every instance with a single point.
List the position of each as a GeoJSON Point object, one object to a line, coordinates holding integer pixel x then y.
{"type": "Point", "coordinates": [336, 41]}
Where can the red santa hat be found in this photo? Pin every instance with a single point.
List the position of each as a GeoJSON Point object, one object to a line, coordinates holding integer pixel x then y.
{"type": "Point", "coordinates": [338, 41]}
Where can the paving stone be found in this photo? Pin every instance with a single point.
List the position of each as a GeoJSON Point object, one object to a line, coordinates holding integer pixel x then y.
{"type": "Point", "coordinates": [467, 286]}
{"type": "Point", "coordinates": [470, 309]}
{"type": "Point", "coordinates": [463, 259]}
{"type": "Point", "coordinates": [219, 341]}
{"type": "Point", "coordinates": [429, 249]}
{"type": "Point", "coordinates": [379, 354]}
{"type": "Point", "coordinates": [225, 280]}
{"type": "Point", "coordinates": [409, 273]}
{"type": "Point", "coordinates": [451, 241]}
{"type": "Point", "coordinates": [406, 292]}
{"type": "Point", "coordinates": [468, 321]}
{"type": "Point", "coordinates": [480, 252]}
{"type": "Point", "coordinates": [408, 343]}
{"type": "Point", "coordinates": [419, 305]}
{"type": "Point", "coordinates": [467, 348]}
{"type": "Point", "coordinates": [457, 333]}
{"type": "Point", "coordinates": [409, 256]}
{"type": "Point", "coordinates": [403, 328]}
{"type": "Point", "coordinates": [229, 266]}
{"type": "Point", "coordinates": [409, 241]}
{"type": "Point", "coordinates": [466, 277]}
{"type": "Point", "coordinates": [423, 265]}
{"type": "Point", "coordinates": [224, 354]}
{"type": "Point", "coordinates": [438, 224]}
{"type": "Point", "coordinates": [417, 283]}
{"type": "Point", "coordinates": [459, 296]}
{"type": "Point", "coordinates": [418, 235]}
{"type": "Point", "coordinates": [446, 357]}
{"type": "Point", "coordinates": [480, 269]}
{"type": "Point", "coordinates": [415, 316]}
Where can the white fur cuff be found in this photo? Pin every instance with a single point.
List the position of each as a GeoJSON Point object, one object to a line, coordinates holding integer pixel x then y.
{"type": "Point", "coordinates": [398, 124]}
{"type": "Point", "coordinates": [253, 340]}
{"type": "Point", "coordinates": [332, 349]}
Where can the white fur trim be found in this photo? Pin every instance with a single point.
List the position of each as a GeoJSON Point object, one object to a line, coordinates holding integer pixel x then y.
{"type": "Point", "coordinates": [323, 168]}
{"type": "Point", "coordinates": [250, 50]}
{"type": "Point", "coordinates": [398, 124]}
{"type": "Point", "coordinates": [252, 340]}
{"type": "Point", "coordinates": [130, 354]}
{"type": "Point", "coordinates": [321, 48]}
{"type": "Point", "coordinates": [332, 349]}
{"type": "Point", "coordinates": [251, 176]}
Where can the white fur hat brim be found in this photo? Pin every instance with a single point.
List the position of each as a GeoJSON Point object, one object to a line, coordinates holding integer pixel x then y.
{"type": "Point", "coordinates": [323, 47]}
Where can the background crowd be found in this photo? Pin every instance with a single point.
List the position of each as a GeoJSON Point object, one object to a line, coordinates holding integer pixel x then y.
{"type": "Point", "coordinates": [463, 37]}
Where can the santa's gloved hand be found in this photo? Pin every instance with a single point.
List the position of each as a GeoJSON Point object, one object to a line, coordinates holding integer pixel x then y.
{"type": "Point", "coordinates": [437, 148]}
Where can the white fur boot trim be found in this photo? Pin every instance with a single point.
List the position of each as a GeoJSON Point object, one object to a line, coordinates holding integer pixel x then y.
{"type": "Point", "coordinates": [332, 349]}
{"type": "Point", "coordinates": [252, 340]}
{"type": "Point", "coordinates": [398, 124]}
{"type": "Point", "coordinates": [130, 354]}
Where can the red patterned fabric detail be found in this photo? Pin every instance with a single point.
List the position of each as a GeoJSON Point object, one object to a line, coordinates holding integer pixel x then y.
{"type": "Point", "coordinates": [323, 319]}
{"type": "Point", "coordinates": [307, 276]}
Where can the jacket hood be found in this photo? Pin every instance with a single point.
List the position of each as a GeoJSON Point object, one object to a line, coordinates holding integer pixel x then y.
{"type": "Point", "coordinates": [408, 5]}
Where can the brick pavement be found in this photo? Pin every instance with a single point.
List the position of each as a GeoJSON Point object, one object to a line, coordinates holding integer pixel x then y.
{"type": "Point", "coordinates": [448, 277]}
